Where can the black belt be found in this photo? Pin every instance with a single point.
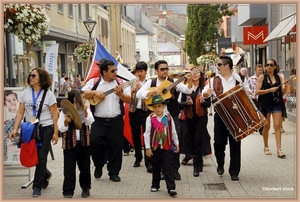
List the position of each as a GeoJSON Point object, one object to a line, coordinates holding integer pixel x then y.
{"type": "Point", "coordinates": [48, 126]}
{"type": "Point", "coordinates": [108, 119]}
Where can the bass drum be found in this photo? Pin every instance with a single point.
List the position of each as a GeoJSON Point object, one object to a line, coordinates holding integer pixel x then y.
{"type": "Point", "coordinates": [239, 112]}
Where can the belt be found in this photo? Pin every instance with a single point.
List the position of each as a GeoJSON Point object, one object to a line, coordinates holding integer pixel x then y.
{"type": "Point", "coordinates": [78, 141]}
{"type": "Point", "coordinates": [108, 119]}
{"type": "Point", "coordinates": [48, 126]}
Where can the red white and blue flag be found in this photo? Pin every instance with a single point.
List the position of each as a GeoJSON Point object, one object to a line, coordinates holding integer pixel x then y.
{"type": "Point", "coordinates": [99, 53]}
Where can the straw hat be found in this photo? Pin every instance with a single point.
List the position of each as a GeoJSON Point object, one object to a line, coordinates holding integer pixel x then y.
{"type": "Point", "coordinates": [68, 108]}
{"type": "Point", "coordinates": [188, 68]}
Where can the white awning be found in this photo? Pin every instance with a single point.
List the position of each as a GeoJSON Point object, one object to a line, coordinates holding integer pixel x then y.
{"type": "Point", "coordinates": [283, 28]}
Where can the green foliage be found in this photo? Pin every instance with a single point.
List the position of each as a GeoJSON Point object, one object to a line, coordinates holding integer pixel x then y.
{"type": "Point", "coordinates": [203, 25]}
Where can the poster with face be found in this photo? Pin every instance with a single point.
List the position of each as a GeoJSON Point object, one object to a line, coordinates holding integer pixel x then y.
{"type": "Point", "coordinates": [11, 105]}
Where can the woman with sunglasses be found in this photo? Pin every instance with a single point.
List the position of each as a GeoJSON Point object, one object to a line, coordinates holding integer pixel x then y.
{"type": "Point", "coordinates": [271, 102]}
{"type": "Point", "coordinates": [196, 121]}
{"type": "Point", "coordinates": [39, 81]}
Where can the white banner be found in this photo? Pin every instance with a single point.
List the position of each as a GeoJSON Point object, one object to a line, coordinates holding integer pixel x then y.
{"type": "Point", "coordinates": [51, 63]}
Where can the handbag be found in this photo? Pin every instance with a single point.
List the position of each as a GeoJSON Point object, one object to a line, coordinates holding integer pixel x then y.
{"type": "Point", "coordinates": [30, 135]}
{"type": "Point", "coordinates": [29, 153]}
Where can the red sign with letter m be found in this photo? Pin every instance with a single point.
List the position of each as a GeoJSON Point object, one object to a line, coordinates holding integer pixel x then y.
{"type": "Point", "coordinates": [255, 34]}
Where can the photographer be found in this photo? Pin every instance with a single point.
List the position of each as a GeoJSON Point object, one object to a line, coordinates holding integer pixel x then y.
{"type": "Point", "coordinates": [271, 102]}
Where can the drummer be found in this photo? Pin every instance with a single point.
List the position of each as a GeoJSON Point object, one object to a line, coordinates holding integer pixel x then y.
{"type": "Point", "coordinates": [225, 80]}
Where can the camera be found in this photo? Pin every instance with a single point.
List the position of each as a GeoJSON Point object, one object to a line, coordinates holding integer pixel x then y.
{"type": "Point", "coordinates": [276, 100]}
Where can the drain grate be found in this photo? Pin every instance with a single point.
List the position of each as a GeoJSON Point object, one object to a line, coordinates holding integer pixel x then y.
{"type": "Point", "coordinates": [215, 186]}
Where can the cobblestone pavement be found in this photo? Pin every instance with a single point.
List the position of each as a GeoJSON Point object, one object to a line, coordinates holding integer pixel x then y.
{"type": "Point", "coordinates": [261, 176]}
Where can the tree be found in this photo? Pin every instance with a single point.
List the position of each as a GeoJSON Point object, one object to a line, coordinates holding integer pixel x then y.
{"type": "Point", "coordinates": [203, 25]}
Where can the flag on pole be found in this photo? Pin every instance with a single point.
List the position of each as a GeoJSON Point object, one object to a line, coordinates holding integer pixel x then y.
{"type": "Point", "coordinates": [51, 63]}
{"type": "Point", "coordinates": [99, 53]}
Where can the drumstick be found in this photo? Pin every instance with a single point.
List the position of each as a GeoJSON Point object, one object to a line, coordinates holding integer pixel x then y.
{"type": "Point", "coordinates": [286, 81]}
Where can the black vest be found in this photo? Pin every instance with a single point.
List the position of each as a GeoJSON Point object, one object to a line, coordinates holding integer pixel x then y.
{"type": "Point", "coordinates": [173, 105]}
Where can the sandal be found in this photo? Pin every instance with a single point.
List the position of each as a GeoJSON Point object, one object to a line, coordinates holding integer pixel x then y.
{"type": "Point", "coordinates": [186, 160]}
{"type": "Point", "coordinates": [267, 151]}
{"type": "Point", "coordinates": [280, 154]}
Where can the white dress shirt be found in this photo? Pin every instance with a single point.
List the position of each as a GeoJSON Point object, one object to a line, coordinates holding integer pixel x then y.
{"type": "Point", "coordinates": [109, 107]}
{"type": "Point", "coordinates": [227, 85]}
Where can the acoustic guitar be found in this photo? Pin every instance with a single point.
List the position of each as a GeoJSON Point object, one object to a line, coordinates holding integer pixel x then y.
{"type": "Point", "coordinates": [166, 86]}
{"type": "Point", "coordinates": [96, 100]}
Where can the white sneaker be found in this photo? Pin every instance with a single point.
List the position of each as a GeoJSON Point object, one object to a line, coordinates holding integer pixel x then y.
{"type": "Point", "coordinates": [154, 189]}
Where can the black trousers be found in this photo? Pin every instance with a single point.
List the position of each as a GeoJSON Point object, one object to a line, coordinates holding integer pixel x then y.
{"type": "Point", "coordinates": [41, 170]}
{"type": "Point", "coordinates": [163, 159]}
{"type": "Point", "coordinates": [220, 141]}
{"type": "Point", "coordinates": [197, 130]}
{"type": "Point", "coordinates": [137, 121]}
{"type": "Point", "coordinates": [81, 156]}
{"type": "Point", "coordinates": [107, 134]}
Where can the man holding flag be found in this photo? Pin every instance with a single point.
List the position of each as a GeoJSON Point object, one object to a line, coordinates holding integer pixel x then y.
{"type": "Point", "coordinates": [107, 130]}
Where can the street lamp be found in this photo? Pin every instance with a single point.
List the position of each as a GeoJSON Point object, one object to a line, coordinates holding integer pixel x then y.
{"type": "Point", "coordinates": [207, 46]}
{"type": "Point", "coordinates": [137, 56]}
{"type": "Point", "coordinates": [89, 25]}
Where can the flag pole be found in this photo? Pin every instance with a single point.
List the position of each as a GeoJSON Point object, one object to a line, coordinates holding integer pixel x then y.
{"type": "Point", "coordinates": [89, 58]}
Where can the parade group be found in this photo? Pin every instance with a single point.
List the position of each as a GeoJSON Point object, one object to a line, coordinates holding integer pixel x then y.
{"type": "Point", "coordinates": [167, 116]}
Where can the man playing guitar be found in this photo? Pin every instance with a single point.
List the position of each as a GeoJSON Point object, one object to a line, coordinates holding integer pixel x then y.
{"type": "Point", "coordinates": [158, 87]}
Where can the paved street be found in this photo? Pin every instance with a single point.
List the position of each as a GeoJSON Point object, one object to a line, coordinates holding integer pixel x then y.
{"type": "Point", "coordinates": [261, 176]}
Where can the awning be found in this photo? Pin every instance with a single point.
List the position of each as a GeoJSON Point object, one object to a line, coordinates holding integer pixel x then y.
{"type": "Point", "coordinates": [283, 28]}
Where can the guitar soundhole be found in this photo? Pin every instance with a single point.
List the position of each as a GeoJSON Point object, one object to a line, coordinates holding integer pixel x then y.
{"type": "Point", "coordinates": [164, 91]}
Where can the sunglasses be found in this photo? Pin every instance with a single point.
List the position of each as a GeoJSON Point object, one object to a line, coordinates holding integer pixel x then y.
{"type": "Point", "coordinates": [32, 75]}
{"type": "Point", "coordinates": [220, 64]}
{"type": "Point", "coordinates": [114, 70]}
{"type": "Point", "coordinates": [164, 69]}
{"type": "Point", "coordinates": [271, 65]}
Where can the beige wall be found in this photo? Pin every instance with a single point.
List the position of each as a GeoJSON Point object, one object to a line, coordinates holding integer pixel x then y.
{"type": "Point", "coordinates": [65, 22]}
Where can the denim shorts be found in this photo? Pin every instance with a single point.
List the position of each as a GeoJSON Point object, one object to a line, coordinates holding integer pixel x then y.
{"type": "Point", "coordinates": [271, 109]}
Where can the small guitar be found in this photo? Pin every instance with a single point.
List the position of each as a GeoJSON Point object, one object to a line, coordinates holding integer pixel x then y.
{"type": "Point", "coordinates": [96, 100]}
{"type": "Point", "coordinates": [166, 86]}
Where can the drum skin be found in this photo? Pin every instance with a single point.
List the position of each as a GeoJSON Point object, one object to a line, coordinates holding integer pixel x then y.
{"type": "Point", "coordinates": [239, 112]}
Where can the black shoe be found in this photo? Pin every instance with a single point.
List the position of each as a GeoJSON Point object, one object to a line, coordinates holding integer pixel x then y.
{"type": "Point", "coordinates": [220, 171]}
{"type": "Point", "coordinates": [172, 192]}
{"type": "Point", "coordinates": [177, 175]}
{"type": "Point", "coordinates": [68, 196]}
{"type": "Point", "coordinates": [97, 172]}
{"type": "Point", "coordinates": [149, 169]}
{"type": "Point", "coordinates": [115, 178]}
{"type": "Point", "coordinates": [234, 177]}
{"type": "Point", "coordinates": [162, 176]}
{"type": "Point", "coordinates": [196, 172]}
{"type": "Point", "coordinates": [136, 164]}
{"type": "Point", "coordinates": [85, 193]}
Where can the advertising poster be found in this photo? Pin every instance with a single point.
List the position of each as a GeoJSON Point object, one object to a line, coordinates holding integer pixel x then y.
{"type": "Point", "coordinates": [11, 104]}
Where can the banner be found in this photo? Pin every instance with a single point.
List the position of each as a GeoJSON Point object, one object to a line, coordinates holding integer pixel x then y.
{"type": "Point", "coordinates": [99, 53]}
{"type": "Point", "coordinates": [51, 63]}
{"type": "Point", "coordinates": [11, 105]}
